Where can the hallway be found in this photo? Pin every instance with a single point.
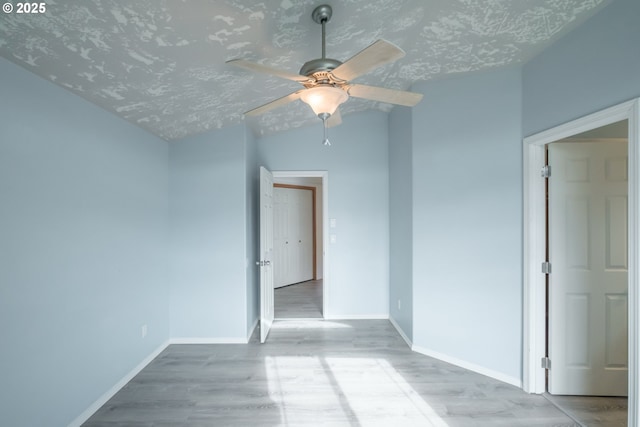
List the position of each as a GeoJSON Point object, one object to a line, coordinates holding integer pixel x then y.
{"type": "Point", "coordinates": [299, 301]}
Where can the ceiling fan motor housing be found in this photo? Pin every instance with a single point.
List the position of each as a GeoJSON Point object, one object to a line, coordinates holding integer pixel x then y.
{"type": "Point", "coordinates": [320, 64]}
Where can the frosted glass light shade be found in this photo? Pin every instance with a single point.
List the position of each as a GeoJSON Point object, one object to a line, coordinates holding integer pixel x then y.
{"type": "Point", "coordinates": [324, 99]}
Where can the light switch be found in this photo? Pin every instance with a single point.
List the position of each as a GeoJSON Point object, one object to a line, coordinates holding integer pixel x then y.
{"type": "Point", "coordinates": [332, 238]}
{"type": "Point", "coordinates": [332, 223]}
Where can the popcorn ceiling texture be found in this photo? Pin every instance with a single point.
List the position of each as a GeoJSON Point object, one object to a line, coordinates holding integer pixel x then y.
{"type": "Point", "coordinates": [160, 64]}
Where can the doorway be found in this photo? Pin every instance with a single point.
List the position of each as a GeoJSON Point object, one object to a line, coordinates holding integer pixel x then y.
{"type": "Point", "coordinates": [534, 343]}
{"type": "Point", "coordinates": [587, 332]}
{"type": "Point", "coordinates": [300, 285]}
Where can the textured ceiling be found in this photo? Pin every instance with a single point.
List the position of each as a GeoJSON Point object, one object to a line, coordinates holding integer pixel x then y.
{"type": "Point", "coordinates": [160, 64]}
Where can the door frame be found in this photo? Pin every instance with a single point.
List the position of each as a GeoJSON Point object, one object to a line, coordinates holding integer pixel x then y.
{"type": "Point", "coordinates": [326, 277]}
{"type": "Point", "coordinates": [534, 245]}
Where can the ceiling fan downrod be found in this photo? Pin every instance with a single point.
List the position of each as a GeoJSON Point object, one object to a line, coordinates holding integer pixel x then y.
{"type": "Point", "coordinates": [321, 15]}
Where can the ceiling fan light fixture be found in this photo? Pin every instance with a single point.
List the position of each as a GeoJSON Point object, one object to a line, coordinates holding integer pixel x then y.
{"type": "Point", "coordinates": [324, 99]}
{"type": "Point", "coordinates": [325, 90]}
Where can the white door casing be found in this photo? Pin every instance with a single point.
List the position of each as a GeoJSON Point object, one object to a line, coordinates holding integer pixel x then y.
{"type": "Point", "coordinates": [588, 280]}
{"type": "Point", "coordinates": [266, 253]}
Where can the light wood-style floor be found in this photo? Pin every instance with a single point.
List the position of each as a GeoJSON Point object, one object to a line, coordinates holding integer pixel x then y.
{"type": "Point", "coordinates": [318, 373]}
{"type": "Point", "coordinates": [304, 301]}
{"type": "Point", "coordinates": [594, 411]}
{"type": "Point", "coordinates": [299, 301]}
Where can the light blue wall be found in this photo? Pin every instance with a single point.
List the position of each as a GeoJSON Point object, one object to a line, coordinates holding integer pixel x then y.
{"type": "Point", "coordinates": [401, 219]}
{"type": "Point", "coordinates": [467, 220]}
{"type": "Point", "coordinates": [83, 250]}
{"type": "Point", "coordinates": [208, 242]}
{"type": "Point", "coordinates": [358, 168]}
{"type": "Point", "coordinates": [594, 67]}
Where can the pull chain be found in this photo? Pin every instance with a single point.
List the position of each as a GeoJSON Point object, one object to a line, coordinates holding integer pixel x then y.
{"type": "Point", "coordinates": [325, 126]}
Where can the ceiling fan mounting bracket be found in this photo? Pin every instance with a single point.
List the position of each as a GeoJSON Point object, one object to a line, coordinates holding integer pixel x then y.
{"type": "Point", "coordinates": [322, 14]}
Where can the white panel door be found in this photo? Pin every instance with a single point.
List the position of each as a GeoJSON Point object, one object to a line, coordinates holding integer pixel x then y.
{"type": "Point", "coordinates": [302, 236]}
{"type": "Point", "coordinates": [588, 280]}
{"type": "Point", "coordinates": [266, 253]}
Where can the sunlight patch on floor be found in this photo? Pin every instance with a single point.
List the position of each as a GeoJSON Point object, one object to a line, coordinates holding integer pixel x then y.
{"type": "Point", "coordinates": [360, 391]}
{"type": "Point", "coordinates": [375, 388]}
{"type": "Point", "coordinates": [309, 324]}
{"type": "Point", "coordinates": [305, 392]}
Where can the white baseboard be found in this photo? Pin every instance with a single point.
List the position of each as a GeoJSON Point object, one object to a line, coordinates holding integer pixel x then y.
{"type": "Point", "coordinates": [401, 332]}
{"type": "Point", "coordinates": [252, 329]}
{"type": "Point", "coordinates": [470, 366]}
{"type": "Point", "coordinates": [356, 316]}
{"type": "Point", "coordinates": [93, 408]}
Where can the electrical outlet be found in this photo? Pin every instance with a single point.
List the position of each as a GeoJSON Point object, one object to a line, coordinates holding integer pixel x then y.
{"type": "Point", "coordinates": [144, 330]}
{"type": "Point", "coordinates": [399, 304]}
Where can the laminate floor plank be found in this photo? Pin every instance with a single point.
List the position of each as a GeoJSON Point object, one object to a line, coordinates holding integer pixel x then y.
{"type": "Point", "coordinates": [594, 411]}
{"type": "Point", "coordinates": [299, 301]}
{"type": "Point", "coordinates": [318, 373]}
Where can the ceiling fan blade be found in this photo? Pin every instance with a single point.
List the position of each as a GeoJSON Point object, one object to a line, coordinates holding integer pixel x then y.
{"type": "Point", "coordinates": [335, 119]}
{"type": "Point", "coordinates": [274, 104]}
{"type": "Point", "coordinates": [267, 70]}
{"type": "Point", "coordinates": [379, 53]}
{"type": "Point", "coordinates": [380, 94]}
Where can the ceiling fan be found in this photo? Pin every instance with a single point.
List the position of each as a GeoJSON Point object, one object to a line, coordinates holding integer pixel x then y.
{"type": "Point", "coordinates": [327, 82]}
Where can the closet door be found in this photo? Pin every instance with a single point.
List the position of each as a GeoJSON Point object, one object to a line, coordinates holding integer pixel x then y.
{"type": "Point", "coordinates": [293, 236]}
{"type": "Point", "coordinates": [280, 237]}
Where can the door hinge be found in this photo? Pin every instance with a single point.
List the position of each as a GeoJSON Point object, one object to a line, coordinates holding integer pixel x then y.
{"type": "Point", "coordinates": [545, 172]}
{"type": "Point", "coordinates": [546, 267]}
{"type": "Point", "coordinates": [546, 363]}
